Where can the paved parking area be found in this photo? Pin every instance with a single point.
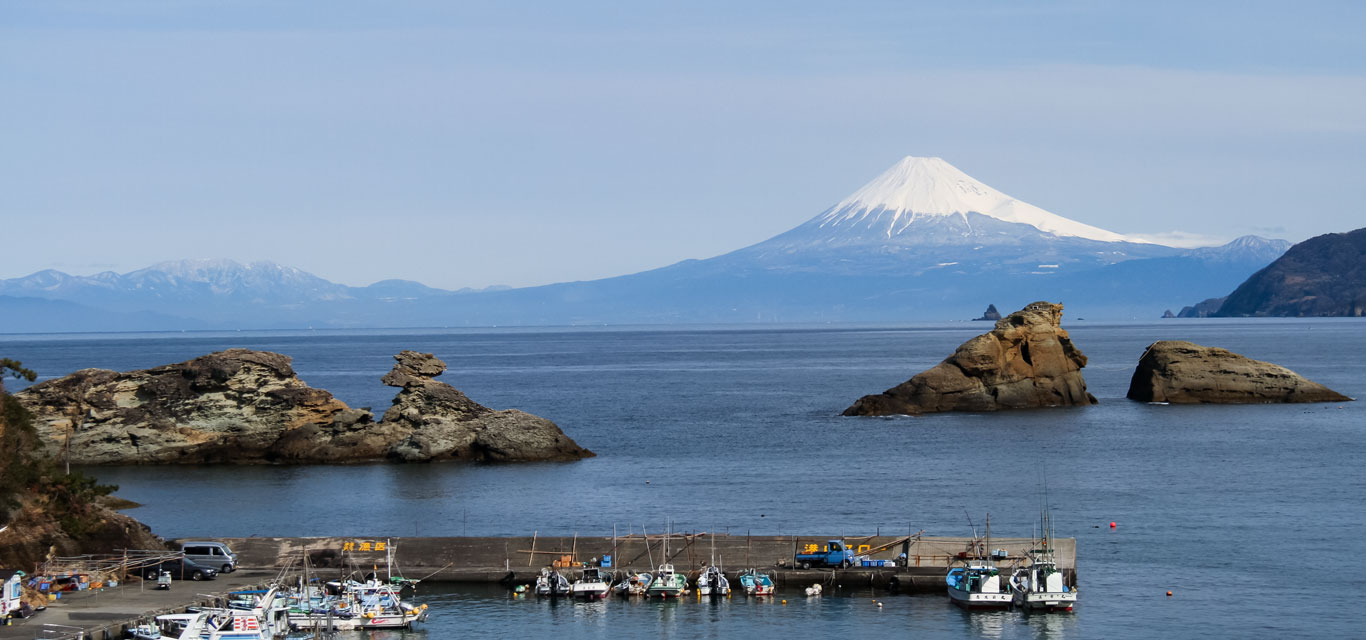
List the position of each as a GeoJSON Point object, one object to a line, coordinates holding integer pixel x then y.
{"type": "Point", "coordinates": [112, 607]}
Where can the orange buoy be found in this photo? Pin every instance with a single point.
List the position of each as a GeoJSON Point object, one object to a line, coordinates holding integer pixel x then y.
{"type": "Point", "coordinates": [1169, 594]}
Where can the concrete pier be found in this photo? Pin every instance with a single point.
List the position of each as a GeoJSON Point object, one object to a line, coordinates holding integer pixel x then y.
{"type": "Point", "coordinates": [920, 562]}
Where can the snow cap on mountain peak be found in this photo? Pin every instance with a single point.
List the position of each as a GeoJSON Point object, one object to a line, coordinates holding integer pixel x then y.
{"type": "Point", "coordinates": [929, 186]}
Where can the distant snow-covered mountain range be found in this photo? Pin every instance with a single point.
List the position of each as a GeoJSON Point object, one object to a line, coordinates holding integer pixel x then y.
{"type": "Point", "coordinates": [922, 241]}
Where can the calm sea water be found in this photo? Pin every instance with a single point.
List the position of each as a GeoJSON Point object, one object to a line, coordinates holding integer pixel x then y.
{"type": "Point", "coordinates": [1250, 515]}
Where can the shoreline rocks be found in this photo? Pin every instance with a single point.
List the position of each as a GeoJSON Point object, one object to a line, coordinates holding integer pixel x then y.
{"type": "Point", "coordinates": [1027, 361]}
{"type": "Point", "coordinates": [1181, 372]}
{"type": "Point", "coordinates": [243, 406]}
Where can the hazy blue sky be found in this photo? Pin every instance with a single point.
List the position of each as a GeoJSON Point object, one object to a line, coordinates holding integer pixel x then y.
{"type": "Point", "coordinates": [475, 143]}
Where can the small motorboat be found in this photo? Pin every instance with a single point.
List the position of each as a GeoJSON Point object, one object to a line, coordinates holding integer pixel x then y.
{"type": "Point", "coordinates": [667, 583]}
{"type": "Point", "coordinates": [552, 584]}
{"type": "Point", "coordinates": [713, 582]}
{"type": "Point", "coordinates": [593, 583]}
{"type": "Point", "coordinates": [635, 584]}
{"type": "Point", "coordinates": [756, 583]}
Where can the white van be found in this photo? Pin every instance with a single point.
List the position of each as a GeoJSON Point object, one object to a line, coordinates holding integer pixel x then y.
{"type": "Point", "coordinates": [215, 555]}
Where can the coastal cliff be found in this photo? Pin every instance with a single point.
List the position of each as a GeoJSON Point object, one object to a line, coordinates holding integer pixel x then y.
{"type": "Point", "coordinates": [1182, 372]}
{"type": "Point", "coordinates": [1028, 360]}
{"type": "Point", "coordinates": [1322, 276]}
{"type": "Point", "coordinates": [46, 511]}
{"type": "Point", "coordinates": [244, 406]}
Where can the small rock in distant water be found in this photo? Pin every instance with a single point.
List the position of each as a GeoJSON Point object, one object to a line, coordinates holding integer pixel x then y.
{"type": "Point", "coordinates": [991, 314]}
{"type": "Point", "coordinates": [1182, 372]}
{"type": "Point", "coordinates": [1026, 361]}
{"type": "Point", "coordinates": [1168, 314]}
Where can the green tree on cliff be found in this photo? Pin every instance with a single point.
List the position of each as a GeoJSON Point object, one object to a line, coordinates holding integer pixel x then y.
{"type": "Point", "coordinates": [16, 436]}
{"type": "Point", "coordinates": [70, 496]}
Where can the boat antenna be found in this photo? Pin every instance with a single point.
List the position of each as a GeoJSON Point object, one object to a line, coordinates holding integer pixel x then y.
{"type": "Point", "coordinates": [974, 531]}
{"type": "Point", "coordinates": [987, 542]}
{"type": "Point", "coordinates": [647, 547]}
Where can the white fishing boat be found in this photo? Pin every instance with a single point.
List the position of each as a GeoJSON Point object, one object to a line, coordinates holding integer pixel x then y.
{"type": "Point", "coordinates": [978, 585]}
{"type": "Point", "coordinates": [552, 584]}
{"type": "Point", "coordinates": [219, 624]}
{"type": "Point", "coordinates": [635, 584]}
{"type": "Point", "coordinates": [1040, 584]}
{"type": "Point", "coordinates": [593, 584]}
{"type": "Point", "coordinates": [713, 582]}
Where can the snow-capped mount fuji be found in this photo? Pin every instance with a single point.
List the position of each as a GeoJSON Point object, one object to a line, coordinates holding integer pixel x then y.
{"type": "Point", "coordinates": [928, 191]}
{"type": "Point", "coordinates": [924, 214]}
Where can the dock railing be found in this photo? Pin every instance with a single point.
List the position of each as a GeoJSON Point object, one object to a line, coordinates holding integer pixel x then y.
{"type": "Point", "coordinates": [59, 632]}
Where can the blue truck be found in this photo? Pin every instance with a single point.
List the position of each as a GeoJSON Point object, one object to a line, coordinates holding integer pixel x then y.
{"type": "Point", "coordinates": [835, 554]}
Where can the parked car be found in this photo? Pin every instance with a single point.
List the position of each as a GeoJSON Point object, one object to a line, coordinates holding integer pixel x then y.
{"type": "Point", "coordinates": [211, 554]}
{"type": "Point", "coordinates": [180, 569]}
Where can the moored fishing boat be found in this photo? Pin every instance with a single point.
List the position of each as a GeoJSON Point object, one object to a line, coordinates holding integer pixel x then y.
{"type": "Point", "coordinates": [978, 584]}
{"type": "Point", "coordinates": [593, 583]}
{"type": "Point", "coordinates": [219, 624]}
{"type": "Point", "coordinates": [712, 582]}
{"type": "Point", "coordinates": [378, 605]}
{"type": "Point", "coordinates": [756, 583]}
{"type": "Point", "coordinates": [635, 584]}
{"type": "Point", "coordinates": [1039, 586]}
{"type": "Point", "coordinates": [667, 583]}
{"type": "Point", "coordinates": [552, 584]}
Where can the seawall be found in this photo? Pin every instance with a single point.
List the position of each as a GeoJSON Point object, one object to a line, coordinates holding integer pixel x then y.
{"type": "Point", "coordinates": [920, 562]}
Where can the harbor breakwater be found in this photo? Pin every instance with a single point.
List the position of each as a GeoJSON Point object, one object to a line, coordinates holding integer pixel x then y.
{"type": "Point", "coordinates": [919, 562]}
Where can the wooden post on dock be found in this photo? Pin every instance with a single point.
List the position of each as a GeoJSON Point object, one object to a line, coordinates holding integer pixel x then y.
{"type": "Point", "coordinates": [531, 557]}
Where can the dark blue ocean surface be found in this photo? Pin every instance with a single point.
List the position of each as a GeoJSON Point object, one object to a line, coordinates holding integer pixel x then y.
{"type": "Point", "coordinates": [1250, 515]}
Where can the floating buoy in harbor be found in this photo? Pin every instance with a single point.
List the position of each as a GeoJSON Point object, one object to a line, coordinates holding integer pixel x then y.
{"type": "Point", "coordinates": [784, 602]}
{"type": "Point", "coordinates": [1112, 525]}
{"type": "Point", "coordinates": [879, 605]}
{"type": "Point", "coordinates": [1169, 594]}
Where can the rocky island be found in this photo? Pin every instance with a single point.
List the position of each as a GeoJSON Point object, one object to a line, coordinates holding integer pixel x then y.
{"type": "Point", "coordinates": [1026, 361]}
{"type": "Point", "coordinates": [990, 315]}
{"type": "Point", "coordinates": [243, 406]}
{"type": "Point", "coordinates": [1182, 372]}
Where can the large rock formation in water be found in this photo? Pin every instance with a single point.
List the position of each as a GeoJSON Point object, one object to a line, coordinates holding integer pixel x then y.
{"type": "Point", "coordinates": [1187, 373]}
{"type": "Point", "coordinates": [441, 422]}
{"type": "Point", "coordinates": [1027, 361]}
{"type": "Point", "coordinates": [243, 406]}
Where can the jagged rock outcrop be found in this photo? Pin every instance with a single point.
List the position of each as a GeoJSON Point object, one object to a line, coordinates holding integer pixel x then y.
{"type": "Point", "coordinates": [1168, 314]}
{"type": "Point", "coordinates": [1187, 373]}
{"type": "Point", "coordinates": [443, 423]}
{"type": "Point", "coordinates": [1026, 361]}
{"type": "Point", "coordinates": [243, 406]}
{"type": "Point", "coordinates": [990, 315]}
